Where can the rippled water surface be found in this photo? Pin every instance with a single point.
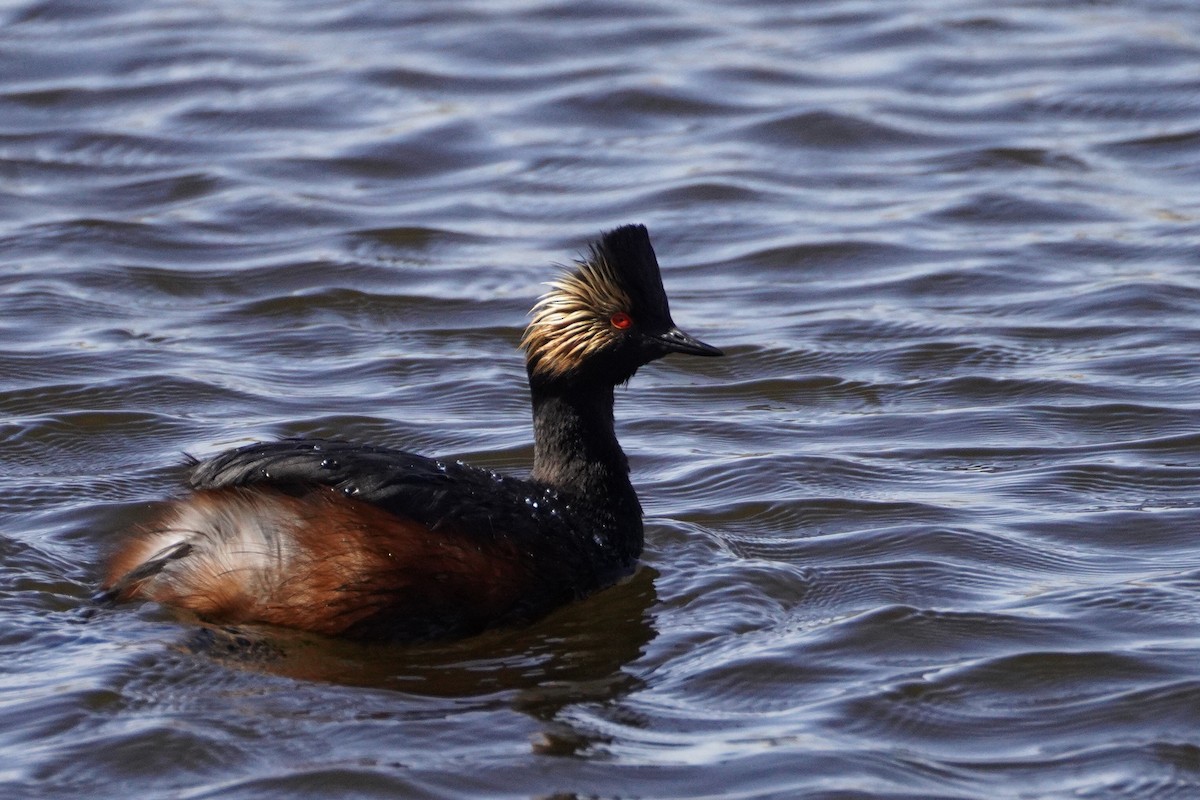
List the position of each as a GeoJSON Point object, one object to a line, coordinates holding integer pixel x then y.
{"type": "Point", "coordinates": [931, 530]}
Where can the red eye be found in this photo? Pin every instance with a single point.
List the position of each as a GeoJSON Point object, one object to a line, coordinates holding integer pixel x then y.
{"type": "Point", "coordinates": [621, 320]}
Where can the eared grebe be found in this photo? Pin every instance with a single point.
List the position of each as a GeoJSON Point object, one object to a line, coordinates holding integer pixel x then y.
{"type": "Point", "coordinates": [373, 543]}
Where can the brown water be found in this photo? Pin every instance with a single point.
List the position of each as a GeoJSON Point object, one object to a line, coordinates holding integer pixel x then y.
{"type": "Point", "coordinates": [932, 530]}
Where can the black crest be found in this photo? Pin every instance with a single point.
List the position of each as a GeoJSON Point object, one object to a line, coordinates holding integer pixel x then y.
{"type": "Point", "coordinates": [630, 256]}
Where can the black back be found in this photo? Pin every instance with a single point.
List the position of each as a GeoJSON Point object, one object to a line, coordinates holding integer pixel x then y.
{"type": "Point", "coordinates": [574, 539]}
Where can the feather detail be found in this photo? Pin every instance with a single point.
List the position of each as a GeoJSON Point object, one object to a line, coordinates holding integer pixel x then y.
{"type": "Point", "coordinates": [571, 321]}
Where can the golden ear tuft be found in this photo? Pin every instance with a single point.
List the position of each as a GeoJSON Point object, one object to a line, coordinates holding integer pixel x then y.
{"type": "Point", "coordinates": [570, 322]}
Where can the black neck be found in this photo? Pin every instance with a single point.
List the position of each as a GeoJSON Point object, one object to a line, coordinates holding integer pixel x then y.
{"type": "Point", "coordinates": [576, 449]}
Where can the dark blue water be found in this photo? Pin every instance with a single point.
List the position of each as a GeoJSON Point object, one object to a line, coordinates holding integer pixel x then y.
{"type": "Point", "coordinates": [931, 530]}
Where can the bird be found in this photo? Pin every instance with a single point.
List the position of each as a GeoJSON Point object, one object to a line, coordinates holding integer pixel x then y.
{"type": "Point", "coordinates": [372, 543]}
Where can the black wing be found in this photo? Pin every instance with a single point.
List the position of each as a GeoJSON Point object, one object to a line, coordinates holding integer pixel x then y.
{"type": "Point", "coordinates": [355, 469]}
{"type": "Point", "coordinates": [404, 483]}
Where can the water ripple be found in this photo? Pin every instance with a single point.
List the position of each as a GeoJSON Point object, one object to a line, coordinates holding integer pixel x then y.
{"type": "Point", "coordinates": [926, 532]}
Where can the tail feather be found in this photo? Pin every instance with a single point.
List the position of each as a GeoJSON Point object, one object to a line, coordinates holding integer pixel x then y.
{"type": "Point", "coordinates": [127, 585]}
